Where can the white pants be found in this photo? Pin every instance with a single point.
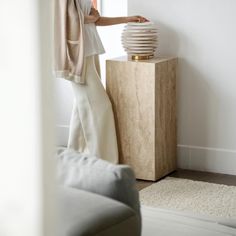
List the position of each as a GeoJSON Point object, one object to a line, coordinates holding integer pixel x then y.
{"type": "Point", "coordinates": [92, 128]}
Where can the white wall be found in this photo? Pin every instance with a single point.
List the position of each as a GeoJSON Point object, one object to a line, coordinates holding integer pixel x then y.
{"type": "Point", "coordinates": [203, 35]}
{"type": "Point", "coordinates": [24, 119]}
{"type": "Point", "coordinates": [110, 36]}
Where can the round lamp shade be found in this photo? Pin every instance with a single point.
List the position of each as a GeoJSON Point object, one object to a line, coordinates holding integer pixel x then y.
{"type": "Point", "coordinates": [140, 40]}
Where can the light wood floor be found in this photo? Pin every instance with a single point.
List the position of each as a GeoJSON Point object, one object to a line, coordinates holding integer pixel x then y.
{"type": "Point", "coordinates": [195, 175]}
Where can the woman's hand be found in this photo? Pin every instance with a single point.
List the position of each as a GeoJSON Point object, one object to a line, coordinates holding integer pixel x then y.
{"type": "Point", "coordinates": [137, 19]}
{"type": "Point", "coordinates": [95, 13]}
{"type": "Point", "coordinates": [92, 17]}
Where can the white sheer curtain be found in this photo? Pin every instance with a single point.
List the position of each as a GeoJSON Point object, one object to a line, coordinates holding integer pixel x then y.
{"type": "Point", "coordinates": [26, 119]}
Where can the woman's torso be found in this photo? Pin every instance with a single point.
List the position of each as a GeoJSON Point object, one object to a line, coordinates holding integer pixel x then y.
{"type": "Point", "coordinates": [93, 44]}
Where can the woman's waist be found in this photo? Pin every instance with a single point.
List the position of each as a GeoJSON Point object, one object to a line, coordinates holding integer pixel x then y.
{"type": "Point", "coordinates": [91, 33]}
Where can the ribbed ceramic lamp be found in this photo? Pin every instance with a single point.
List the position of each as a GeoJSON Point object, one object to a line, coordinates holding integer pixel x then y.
{"type": "Point", "coordinates": [140, 40]}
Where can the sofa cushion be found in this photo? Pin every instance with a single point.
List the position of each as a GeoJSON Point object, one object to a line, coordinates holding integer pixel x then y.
{"type": "Point", "coordinates": [89, 173]}
{"type": "Point", "coordinates": [83, 213]}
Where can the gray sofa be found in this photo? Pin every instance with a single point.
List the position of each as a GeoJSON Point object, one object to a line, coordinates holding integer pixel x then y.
{"type": "Point", "coordinates": [96, 197]}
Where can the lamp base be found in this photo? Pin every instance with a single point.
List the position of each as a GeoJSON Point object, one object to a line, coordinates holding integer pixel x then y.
{"type": "Point", "coordinates": [141, 57]}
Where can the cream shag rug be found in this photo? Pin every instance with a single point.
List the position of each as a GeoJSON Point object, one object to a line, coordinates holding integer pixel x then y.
{"type": "Point", "coordinates": [192, 197]}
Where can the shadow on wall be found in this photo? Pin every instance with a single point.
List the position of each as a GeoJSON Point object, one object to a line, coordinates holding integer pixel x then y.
{"type": "Point", "coordinates": [196, 98]}
{"type": "Point", "coordinates": [168, 41]}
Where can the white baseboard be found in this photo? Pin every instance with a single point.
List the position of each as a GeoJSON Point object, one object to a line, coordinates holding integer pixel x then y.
{"type": "Point", "coordinates": [189, 157]}
{"type": "Point", "coordinates": [207, 159]}
{"type": "Point", "coordinates": [62, 135]}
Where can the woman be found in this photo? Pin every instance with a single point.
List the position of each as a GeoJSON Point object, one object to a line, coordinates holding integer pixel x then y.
{"type": "Point", "coordinates": [92, 128]}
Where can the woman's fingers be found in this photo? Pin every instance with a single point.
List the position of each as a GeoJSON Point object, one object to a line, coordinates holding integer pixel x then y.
{"type": "Point", "coordinates": [141, 19]}
{"type": "Point", "coordinates": [138, 19]}
{"type": "Point", "coordinates": [94, 12]}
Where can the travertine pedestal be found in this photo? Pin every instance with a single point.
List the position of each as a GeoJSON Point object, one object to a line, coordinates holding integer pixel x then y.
{"type": "Point", "coordinates": [143, 95]}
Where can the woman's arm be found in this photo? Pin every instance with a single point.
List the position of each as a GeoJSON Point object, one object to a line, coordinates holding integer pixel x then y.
{"type": "Point", "coordinates": [95, 17]}
{"type": "Point", "coordinates": [105, 21]}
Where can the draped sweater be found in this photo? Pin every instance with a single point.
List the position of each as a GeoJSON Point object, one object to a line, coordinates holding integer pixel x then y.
{"type": "Point", "coordinates": [68, 40]}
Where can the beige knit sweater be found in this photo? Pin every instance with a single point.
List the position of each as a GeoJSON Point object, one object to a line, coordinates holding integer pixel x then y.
{"type": "Point", "coordinates": [68, 40]}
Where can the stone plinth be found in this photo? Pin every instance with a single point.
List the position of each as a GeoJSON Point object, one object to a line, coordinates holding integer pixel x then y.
{"type": "Point", "coordinates": [143, 95]}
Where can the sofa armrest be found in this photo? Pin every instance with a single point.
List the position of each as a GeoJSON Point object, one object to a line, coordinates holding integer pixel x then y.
{"type": "Point", "coordinates": [95, 175]}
